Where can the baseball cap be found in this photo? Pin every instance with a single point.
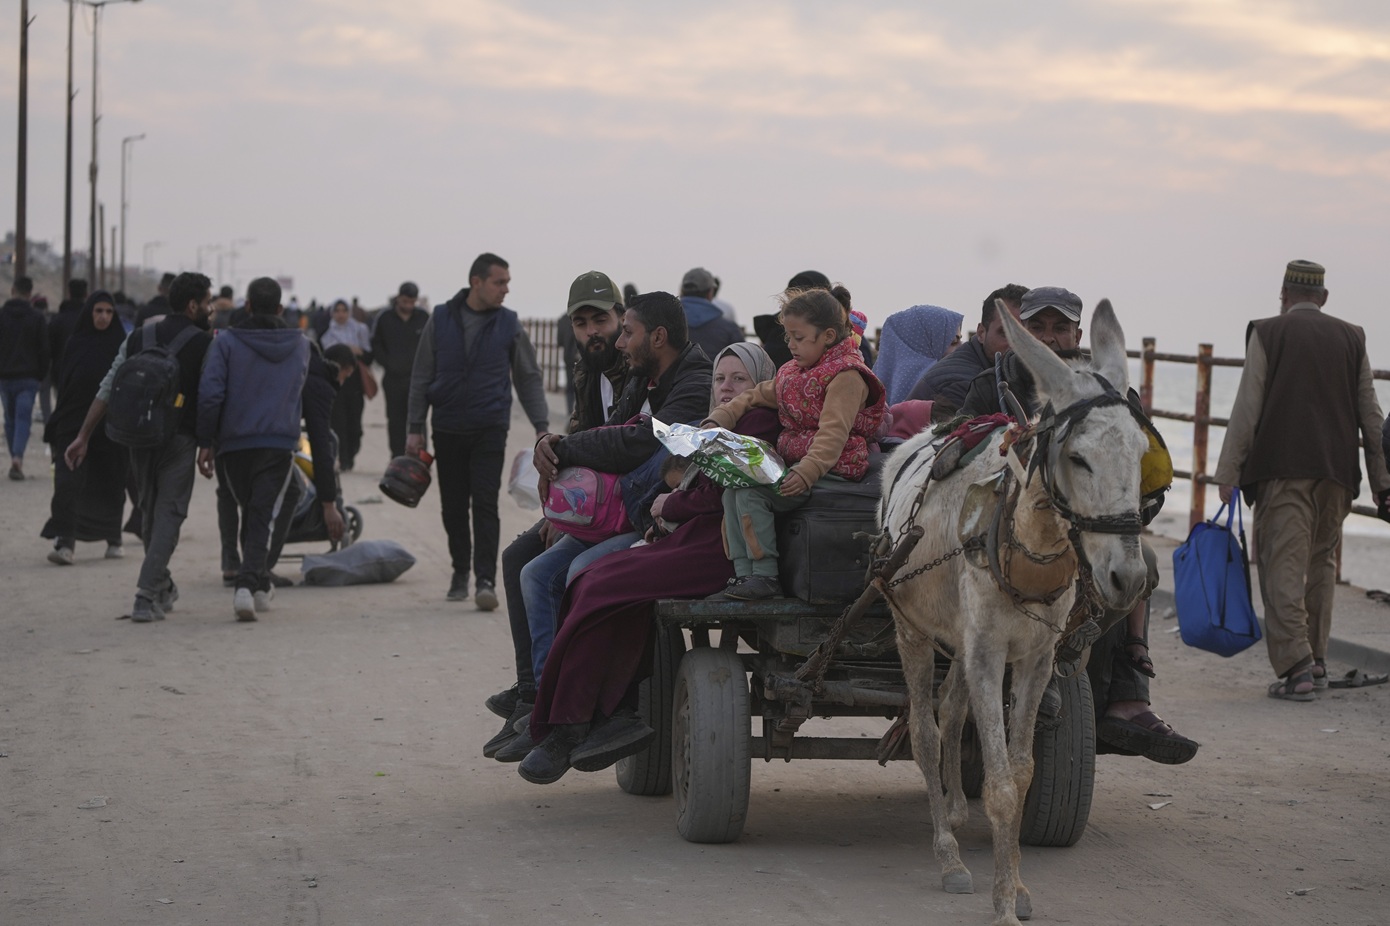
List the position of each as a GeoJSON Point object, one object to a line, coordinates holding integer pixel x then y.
{"type": "Point", "coordinates": [409, 290]}
{"type": "Point", "coordinates": [594, 289]}
{"type": "Point", "coordinates": [698, 280]}
{"type": "Point", "coordinates": [1051, 297]}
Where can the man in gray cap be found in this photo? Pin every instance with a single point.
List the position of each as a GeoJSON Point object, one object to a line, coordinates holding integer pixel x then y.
{"type": "Point", "coordinates": [1301, 471]}
{"type": "Point", "coordinates": [706, 322]}
{"type": "Point", "coordinates": [1119, 667]}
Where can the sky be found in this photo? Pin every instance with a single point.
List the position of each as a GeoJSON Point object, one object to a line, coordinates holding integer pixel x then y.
{"type": "Point", "coordinates": [1171, 155]}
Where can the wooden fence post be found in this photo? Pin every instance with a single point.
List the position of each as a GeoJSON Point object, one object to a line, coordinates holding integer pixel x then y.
{"type": "Point", "coordinates": [1146, 385]}
{"type": "Point", "coordinates": [1200, 427]}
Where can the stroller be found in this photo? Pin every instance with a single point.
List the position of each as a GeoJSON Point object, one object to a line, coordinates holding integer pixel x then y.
{"type": "Point", "coordinates": [307, 526]}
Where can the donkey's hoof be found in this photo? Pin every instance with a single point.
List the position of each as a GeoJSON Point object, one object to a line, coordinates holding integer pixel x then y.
{"type": "Point", "coordinates": [1023, 904]}
{"type": "Point", "coordinates": [957, 882]}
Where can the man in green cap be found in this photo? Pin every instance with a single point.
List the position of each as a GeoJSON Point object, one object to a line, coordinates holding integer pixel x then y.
{"type": "Point", "coordinates": [1301, 471]}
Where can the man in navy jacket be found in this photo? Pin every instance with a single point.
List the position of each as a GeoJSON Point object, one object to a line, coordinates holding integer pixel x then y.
{"type": "Point", "coordinates": [249, 407]}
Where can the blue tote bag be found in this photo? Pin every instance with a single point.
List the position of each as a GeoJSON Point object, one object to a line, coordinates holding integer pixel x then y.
{"type": "Point", "coordinates": [1211, 578]}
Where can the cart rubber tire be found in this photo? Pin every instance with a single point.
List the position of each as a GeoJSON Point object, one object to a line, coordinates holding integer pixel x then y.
{"type": "Point", "coordinates": [648, 773]}
{"type": "Point", "coordinates": [1064, 770]}
{"type": "Point", "coordinates": [710, 760]}
{"type": "Point", "coordinates": [354, 524]}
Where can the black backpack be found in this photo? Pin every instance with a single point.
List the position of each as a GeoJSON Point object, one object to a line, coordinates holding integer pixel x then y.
{"type": "Point", "coordinates": [145, 404]}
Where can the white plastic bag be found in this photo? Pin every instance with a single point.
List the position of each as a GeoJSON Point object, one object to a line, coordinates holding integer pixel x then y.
{"type": "Point", "coordinates": [525, 482]}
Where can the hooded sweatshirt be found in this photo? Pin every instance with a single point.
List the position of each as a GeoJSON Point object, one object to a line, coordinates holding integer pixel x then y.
{"type": "Point", "coordinates": [250, 394]}
{"type": "Point", "coordinates": [707, 325]}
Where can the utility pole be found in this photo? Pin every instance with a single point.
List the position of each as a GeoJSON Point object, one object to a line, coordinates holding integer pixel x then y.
{"type": "Point", "coordinates": [113, 247]}
{"type": "Point", "coordinates": [21, 231]}
{"type": "Point", "coordinates": [99, 254]}
{"type": "Point", "coordinates": [94, 235]}
{"type": "Point", "coordinates": [67, 174]}
{"type": "Point", "coordinates": [150, 246]}
{"type": "Point", "coordinates": [125, 203]}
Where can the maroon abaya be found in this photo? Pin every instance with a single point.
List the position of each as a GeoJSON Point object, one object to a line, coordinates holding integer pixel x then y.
{"type": "Point", "coordinates": [603, 642]}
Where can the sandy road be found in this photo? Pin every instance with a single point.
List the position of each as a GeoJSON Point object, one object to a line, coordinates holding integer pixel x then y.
{"type": "Point", "coordinates": [323, 766]}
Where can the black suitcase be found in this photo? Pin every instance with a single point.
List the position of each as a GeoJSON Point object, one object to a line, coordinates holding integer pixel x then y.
{"type": "Point", "coordinates": [821, 559]}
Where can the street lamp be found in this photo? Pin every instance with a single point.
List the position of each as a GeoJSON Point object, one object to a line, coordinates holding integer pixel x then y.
{"type": "Point", "coordinates": [233, 253]}
{"type": "Point", "coordinates": [150, 246]}
{"type": "Point", "coordinates": [96, 6]}
{"type": "Point", "coordinates": [125, 203]}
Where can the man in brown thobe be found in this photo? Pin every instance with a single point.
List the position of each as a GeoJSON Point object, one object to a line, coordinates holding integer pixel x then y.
{"type": "Point", "coordinates": [1306, 400]}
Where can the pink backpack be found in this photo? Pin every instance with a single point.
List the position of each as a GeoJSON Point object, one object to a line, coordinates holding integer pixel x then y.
{"type": "Point", "coordinates": [586, 504]}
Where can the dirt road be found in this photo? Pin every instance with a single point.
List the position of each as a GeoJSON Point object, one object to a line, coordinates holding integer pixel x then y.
{"type": "Point", "coordinates": [323, 766]}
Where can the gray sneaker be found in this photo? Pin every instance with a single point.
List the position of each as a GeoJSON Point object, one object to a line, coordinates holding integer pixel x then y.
{"type": "Point", "coordinates": [145, 610]}
{"type": "Point", "coordinates": [243, 605]}
{"type": "Point", "coordinates": [262, 600]}
{"type": "Point", "coordinates": [115, 551]}
{"type": "Point", "coordinates": [60, 556]}
{"type": "Point", "coordinates": [167, 597]}
{"type": "Point", "coordinates": [486, 598]}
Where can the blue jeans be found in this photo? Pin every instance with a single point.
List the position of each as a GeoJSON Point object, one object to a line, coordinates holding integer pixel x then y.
{"type": "Point", "coordinates": [18, 396]}
{"type": "Point", "coordinates": [543, 582]}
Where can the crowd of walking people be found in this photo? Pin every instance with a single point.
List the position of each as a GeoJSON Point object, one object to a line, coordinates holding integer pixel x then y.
{"type": "Point", "coordinates": [192, 383]}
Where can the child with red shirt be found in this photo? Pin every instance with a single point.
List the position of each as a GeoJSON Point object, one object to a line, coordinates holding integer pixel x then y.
{"type": "Point", "coordinates": [830, 406]}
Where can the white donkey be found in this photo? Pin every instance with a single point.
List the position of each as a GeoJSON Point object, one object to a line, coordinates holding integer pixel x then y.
{"type": "Point", "coordinates": [1069, 508]}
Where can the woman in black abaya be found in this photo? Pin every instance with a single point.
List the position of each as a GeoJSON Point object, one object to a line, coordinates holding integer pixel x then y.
{"type": "Point", "coordinates": [87, 502]}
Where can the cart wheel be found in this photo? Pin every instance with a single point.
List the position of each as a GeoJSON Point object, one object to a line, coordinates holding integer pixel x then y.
{"type": "Point", "coordinates": [1064, 770]}
{"type": "Point", "coordinates": [649, 772]}
{"type": "Point", "coordinates": [354, 524]}
{"type": "Point", "coordinates": [709, 755]}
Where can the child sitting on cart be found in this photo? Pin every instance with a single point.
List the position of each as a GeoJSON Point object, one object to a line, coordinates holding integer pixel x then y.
{"type": "Point", "coordinates": [830, 406]}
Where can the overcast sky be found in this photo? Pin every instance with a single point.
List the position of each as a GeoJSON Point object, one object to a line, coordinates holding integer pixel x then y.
{"type": "Point", "coordinates": [1169, 154]}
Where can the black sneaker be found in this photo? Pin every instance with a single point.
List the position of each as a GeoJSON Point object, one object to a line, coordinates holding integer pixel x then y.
{"type": "Point", "coordinates": [548, 762]}
{"type": "Point", "coordinates": [509, 730]}
{"type": "Point", "coordinates": [519, 747]}
{"type": "Point", "coordinates": [458, 587]}
{"type": "Point", "coordinates": [504, 702]}
{"type": "Point", "coordinates": [754, 588]}
{"type": "Point", "coordinates": [622, 735]}
{"type": "Point", "coordinates": [486, 598]}
{"type": "Point", "coordinates": [723, 593]}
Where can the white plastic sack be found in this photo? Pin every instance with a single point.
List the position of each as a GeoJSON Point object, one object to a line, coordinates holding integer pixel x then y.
{"type": "Point", "coordinates": [364, 563]}
{"type": "Point", "coordinates": [525, 482]}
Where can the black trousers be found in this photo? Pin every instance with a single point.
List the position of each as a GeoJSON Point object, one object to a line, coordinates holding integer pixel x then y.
{"type": "Point", "coordinates": [397, 392]}
{"type": "Point", "coordinates": [347, 420]}
{"type": "Point", "coordinates": [229, 518]}
{"type": "Point", "coordinates": [469, 467]}
{"type": "Point", "coordinates": [526, 547]}
{"type": "Point", "coordinates": [259, 483]}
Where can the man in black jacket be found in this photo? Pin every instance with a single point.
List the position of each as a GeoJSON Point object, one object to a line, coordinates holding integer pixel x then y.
{"type": "Point", "coordinates": [670, 380]}
{"type": "Point", "coordinates": [395, 339]}
{"type": "Point", "coordinates": [164, 474]}
{"type": "Point", "coordinates": [23, 365]}
{"type": "Point", "coordinates": [948, 380]}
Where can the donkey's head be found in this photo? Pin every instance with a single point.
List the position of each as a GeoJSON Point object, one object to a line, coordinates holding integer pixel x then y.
{"type": "Point", "coordinates": [1091, 460]}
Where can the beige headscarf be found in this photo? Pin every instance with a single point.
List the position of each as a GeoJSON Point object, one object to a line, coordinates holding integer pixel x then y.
{"type": "Point", "coordinates": [754, 359]}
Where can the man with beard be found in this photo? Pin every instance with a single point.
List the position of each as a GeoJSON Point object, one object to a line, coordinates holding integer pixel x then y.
{"type": "Point", "coordinates": [670, 380]}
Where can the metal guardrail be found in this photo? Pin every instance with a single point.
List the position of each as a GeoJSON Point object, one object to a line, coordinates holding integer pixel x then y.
{"type": "Point", "coordinates": [1201, 417]}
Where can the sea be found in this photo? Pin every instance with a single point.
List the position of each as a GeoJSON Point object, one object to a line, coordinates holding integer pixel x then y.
{"type": "Point", "coordinates": [1366, 540]}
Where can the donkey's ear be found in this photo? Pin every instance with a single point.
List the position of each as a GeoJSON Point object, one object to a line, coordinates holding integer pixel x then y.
{"type": "Point", "coordinates": [1108, 347]}
{"type": "Point", "coordinates": [1054, 378]}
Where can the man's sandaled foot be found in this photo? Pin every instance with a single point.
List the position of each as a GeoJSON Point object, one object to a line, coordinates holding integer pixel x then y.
{"type": "Point", "coordinates": [1296, 686]}
{"type": "Point", "coordinates": [1147, 734]}
{"type": "Point", "coordinates": [1319, 674]}
{"type": "Point", "coordinates": [1137, 654]}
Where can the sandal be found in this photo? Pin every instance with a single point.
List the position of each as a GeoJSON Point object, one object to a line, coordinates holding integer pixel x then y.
{"type": "Point", "coordinates": [1297, 685]}
{"type": "Point", "coordinates": [1141, 663]}
{"type": "Point", "coordinates": [1358, 679]}
{"type": "Point", "coordinates": [1319, 674]}
{"type": "Point", "coordinates": [1148, 735]}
